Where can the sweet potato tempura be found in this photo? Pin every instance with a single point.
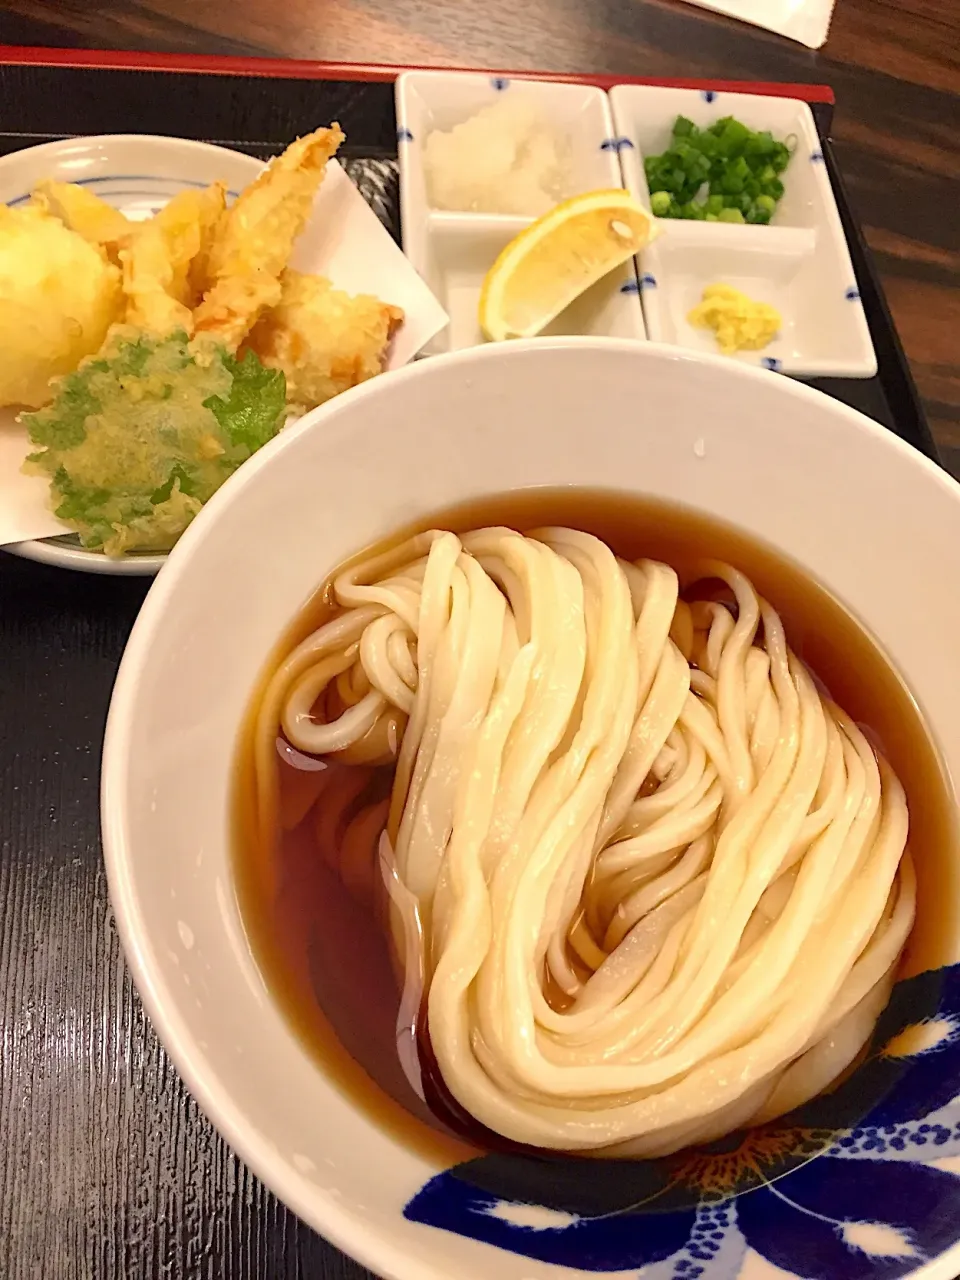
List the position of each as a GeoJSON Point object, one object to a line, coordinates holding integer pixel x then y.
{"type": "Point", "coordinates": [324, 340]}
{"type": "Point", "coordinates": [255, 237]}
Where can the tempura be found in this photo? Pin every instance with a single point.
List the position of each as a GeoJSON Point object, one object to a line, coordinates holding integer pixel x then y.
{"type": "Point", "coordinates": [255, 237]}
{"type": "Point", "coordinates": [130, 329]}
{"type": "Point", "coordinates": [59, 294]}
{"type": "Point", "coordinates": [324, 340]}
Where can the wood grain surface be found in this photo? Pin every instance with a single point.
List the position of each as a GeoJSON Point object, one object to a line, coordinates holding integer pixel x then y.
{"type": "Point", "coordinates": [107, 1169]}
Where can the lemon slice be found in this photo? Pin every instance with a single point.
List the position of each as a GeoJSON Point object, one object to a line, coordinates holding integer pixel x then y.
{"type": "Point", "coordinates": [556, 258]}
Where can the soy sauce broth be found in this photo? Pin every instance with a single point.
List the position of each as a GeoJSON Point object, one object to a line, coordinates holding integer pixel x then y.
{"type": "Point", "coordinates": [326, 959]}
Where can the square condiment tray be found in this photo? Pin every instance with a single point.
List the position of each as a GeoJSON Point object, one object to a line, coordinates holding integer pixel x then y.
{"type": "Point", "coordinates": [799, 264]}
{"type": "Point", "coordinates": [453, 250]}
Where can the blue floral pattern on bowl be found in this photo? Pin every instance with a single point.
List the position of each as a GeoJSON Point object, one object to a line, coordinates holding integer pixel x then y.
{"type": "Point", "coordinates": [861, 1184]}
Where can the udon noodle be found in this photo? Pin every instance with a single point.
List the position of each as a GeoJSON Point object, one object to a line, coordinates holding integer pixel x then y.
{"type": "Point", "coordinates": [648, 881]}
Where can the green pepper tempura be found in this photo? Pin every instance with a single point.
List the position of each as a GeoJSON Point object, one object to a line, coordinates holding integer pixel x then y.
{"type": "Point", "coordinates": [725, 173]}
{"type": "Point", "coordinates": [139, 438]}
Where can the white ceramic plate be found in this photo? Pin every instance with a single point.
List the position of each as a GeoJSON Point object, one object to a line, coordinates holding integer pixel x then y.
{"type": "Point", "coordinates": [876, 522]}
{"type": "Point", "coordinates": [454, 250]}
{"type": "Point", "coordinates": [137, 174]}
{"type": "Point", "coordinates": [800, 262]}
{"type": "Point", "coordinates": [343, 240]}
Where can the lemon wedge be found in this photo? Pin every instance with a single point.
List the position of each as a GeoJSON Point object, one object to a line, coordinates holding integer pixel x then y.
{"type": "Point", "coordinates": [556, 258]}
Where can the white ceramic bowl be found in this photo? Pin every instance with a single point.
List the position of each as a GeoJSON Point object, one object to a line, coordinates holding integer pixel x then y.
{"type": "Point", "coordinates": [877, 523]}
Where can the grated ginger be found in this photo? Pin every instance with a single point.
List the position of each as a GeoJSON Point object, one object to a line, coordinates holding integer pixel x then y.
{"type": "Point", "coordinates": [740, 323]}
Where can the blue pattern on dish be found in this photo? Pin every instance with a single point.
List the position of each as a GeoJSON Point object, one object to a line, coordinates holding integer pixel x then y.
{"type": "Point", "coordinates": [704, 1212]}
{"type": "Point", "coordinates": [133, 186]}
{"type": "Point", "coordinates": [500, 83]}
{"type": "Point", "coordinates": [647, 281]}
{"type": "Point", "coordinates": [708, 95]}
{"type": "Point", "coordinates": [630, 286]}
{"type": "Point", "coordinates": [616, 144]}
{"type": "Point", "coordinates": [404, 135]}
{"type": "Point", "coordinates": [772, 363]}
{"type": "Point", "coordinates": [816, 157]}
{"type": "Point", "coordinates": [852, 294]}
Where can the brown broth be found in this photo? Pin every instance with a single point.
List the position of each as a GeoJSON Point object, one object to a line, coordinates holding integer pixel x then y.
{"type": "Point", "coordinates": [325, 958]}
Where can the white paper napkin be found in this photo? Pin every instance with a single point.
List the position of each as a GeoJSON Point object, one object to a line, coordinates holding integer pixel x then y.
{"type": "Point", "coordinates": [806, 21]}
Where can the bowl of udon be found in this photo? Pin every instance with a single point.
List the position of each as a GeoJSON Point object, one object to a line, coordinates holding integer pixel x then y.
{"type": "Point", "coordinates": [528, 810]}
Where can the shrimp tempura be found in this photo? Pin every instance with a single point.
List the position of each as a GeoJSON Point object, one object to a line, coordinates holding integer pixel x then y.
{"type": "Point", "coordinates": [256, 236]}
{"type": "Point", "coordinates": [324, 340]}
{"type": "Point", "coordinates": [158, 260]}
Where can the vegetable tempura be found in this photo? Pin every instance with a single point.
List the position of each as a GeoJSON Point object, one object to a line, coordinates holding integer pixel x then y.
{"type": "Point", "coordinates": [83, 212]}
{"type": "Point", "coordinates": [59, 294]}
{"type": "Point", "coordinates": [140, 437]}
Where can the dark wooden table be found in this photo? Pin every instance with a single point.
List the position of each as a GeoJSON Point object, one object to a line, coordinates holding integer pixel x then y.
{"type": "Point", "coordinates": [107, 1169]}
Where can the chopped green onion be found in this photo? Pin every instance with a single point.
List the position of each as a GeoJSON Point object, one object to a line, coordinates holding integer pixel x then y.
{"type": "Point", "coordinates": [758, 215]}
{"type": "Point", "coordinates": [693, 210]}
{"type": "Point", "coordinates": [734, 138]}
{"type": "Point", "coordinates": [760, 145]}
{"type": "Point", "coordinates": [725, 172]}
